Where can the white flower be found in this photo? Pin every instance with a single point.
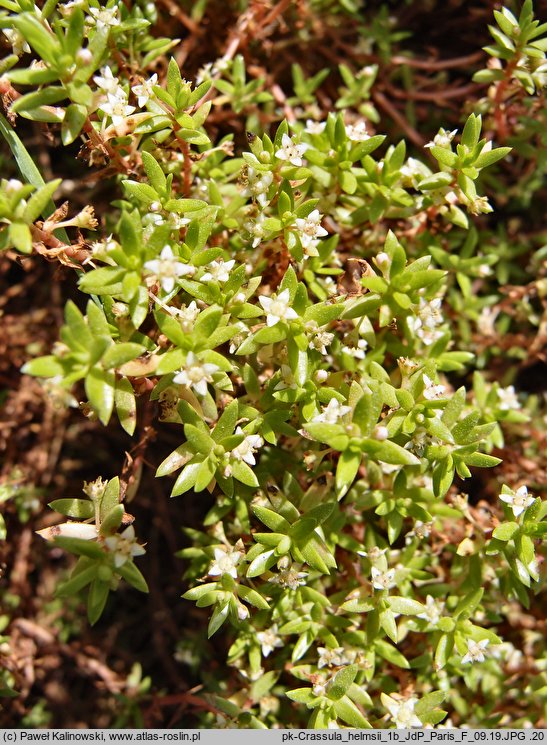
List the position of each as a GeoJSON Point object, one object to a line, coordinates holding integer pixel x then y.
{"type": "Point", "coordinates": [357, 132]}
{"type": "Point", "coordinates": [17, 41]}
{"type": "Point", "coordinates": [225, 562]}
{"type": "Point", "coordinates": [311, 225]}
{"type": "Point", "coordinates": [106, 81]}
{"type": "Point", "coordinates": [219, 271]}
{"type": "Point", "coordinates": [124, 546]}
{"type": "Point", "coordinates": [332, 413]}
{"type": "Point", "coordinates": [205, 72]}
{"type": "Point", "coordinates": [478, 205]}
{"type": "Point", "coordinates": [67, 9]}
{"type": "Point", "coordinates": [382, 580]}
{"type": "Point", "coordinates": [287, 379]}
{"type": "Point", "coordinates": [144, 91]}
{"type": "Point", "coordinates": [320, 341]}
{"type": "Point", "coordinates": [290, 578]}
{"type": "Point", "coordinates": [413, 169]}
{"type": "Point", "coordinates": [424, 323]}
{"type": "Point", "coordinates": [291, 151]}
{"type": "Point", "coordinates": [518, 500]}
{"type": "Point", "coordinates": [246, 449]}
{"type": "Point", "coordinates": [277, 308]}
{"type": "Point", "coordinates": [402, 712]}
{"type": "Point", "coordinates": [358, 352]}
{"type": "Point", "coordinates": [103, 17]}
{"type": "Point", "coordinates": [442, 138]}
{"type": "Point", "coordinates": [168, 268]}
{"type": "Point", "coordinates": [330, 657]}
{"type": "Point", "coordinates": [320, 687]}
{"type": "Point", "coordinates": [196, 374]}
{"type": "Point", "coordinates": [508, 398]}
{"type": "Point", "coordinates": [309, 245]}
{"type": "Point", "coordinates": [373, 553]}
{"type": "Point", "coordinates": [258, 183]}
{"type": "Point", "coordinates": [186, 315]}
{"type": "Point", "coordinates": [433, 611]}
{"type": "Point", "coordinates": [506, 651]}
{"type": "Point", "coordinates": [237, 340]}
{"type": "Point", "coordinates": [314, 128]}
{"type": "Point", "coordinates": [330, 285]}
{"type": "Point", "coordinates": [117, 108]}
{"type": "Point", "coordinates": [269, 639]}
{"type": "Point", "coordinates": [475, 651]}
{"type": "Point", "coordinates": [432, 391]}
{"type": "Point", "coordinates": [256, 229]}
{"type": "Point", "coordinates": [421, 530]}
{"type": "Point", "coordinates": [176, 222]}
{"type": "Point", "coordinates": [429, 313]}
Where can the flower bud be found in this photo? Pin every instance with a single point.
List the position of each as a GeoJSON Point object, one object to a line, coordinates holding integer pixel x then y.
{"type": "Point", "coordinates": [382, 261]}
{"type": "Point", "coordinates": [84, 57]}
{"type": "Point", "coordinates": [381, 432]}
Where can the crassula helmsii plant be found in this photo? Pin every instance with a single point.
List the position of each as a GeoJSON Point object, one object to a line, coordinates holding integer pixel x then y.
{"type": "Point", "coordinates": [304, 312]}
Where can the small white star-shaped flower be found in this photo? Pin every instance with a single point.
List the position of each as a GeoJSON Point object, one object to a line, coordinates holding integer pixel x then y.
{"type": "Point", "coordinates": [124, 546]}
{"type": "Point", "coordinates": [320, 341]}
{"type": "Point", "coordinates": [103, 17]}
{"type": "Point", "coordinates": [246, 449]}
{"type": "Point", "coordinates": [358, 351]}
{"type": "Point", "coordinates": [196, 374]}
{"type": "Point", "coordinates": [330, 657]}
{"type": "Point", "coordinates": [17, 41]}
{"type": "Point", "coordinates": [442, 139]}
{"type": "Point", "coordinates": [117, 108]}
{"type": "Point", "coordinates": [258, 183]}
{"type": "Point", "coordinates": [144, 91]}
{"type": "Point", "coordinates": [225, 563]}
{"type": "Point", "coordinates": [256, 229]}
{"type": "Point", "coordinates": [310, 226]}
{"type": "Point", "coordinates": [186, 315]}
{"type": "Point", "coordinates": [475, 651]}
{"type": "Point", "coordinates": [402, 712]}
{"type": "Point", "coordinates": [432, 391]}
{"type": "Point", "coordinates": [373, 553]}
{"type": "Point", "coordinates": [106, 81]}
{"type": "Point", "coordinates": [219, 271]}
{"type": "Point", "coordinates": [277, 308]}
{"type": "Point", "coordinates": [433, 611]}
{"type": "Point", "coordinates": [507, 398]}
{"type": "Point", "coordinates": [314, 128]}
{"type": "Point", "coordinates": [309, 245]}
{"type": "Point", "coordinates": [518, 500]}
{"type": "Point", "coordinates": [290, 578]}
{"type": "Point", "coordinates": [332, 413]}
{"type": "Point", "coordinates": [291, 151]}
{"type": "Point", "coordinates": [382, 580]}
{"type": "Point", "coordinates": [168, 268]}
{"type": "Point", "coordinates": [357, 132]}
{"type": "Point", "coordinates": [269, 639]}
